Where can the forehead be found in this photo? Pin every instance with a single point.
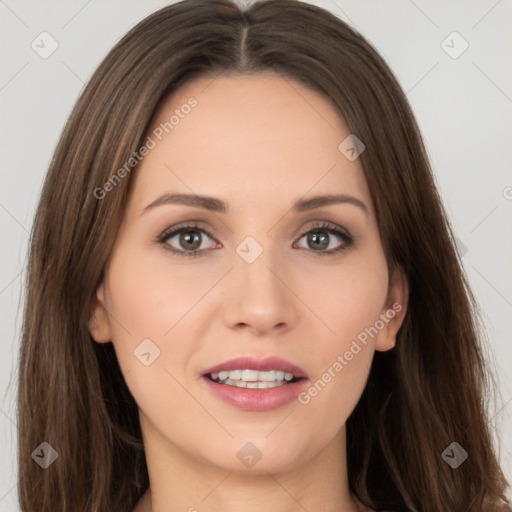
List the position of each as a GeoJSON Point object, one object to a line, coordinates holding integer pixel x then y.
{"type": "Point", "coordinates": [259, 136]}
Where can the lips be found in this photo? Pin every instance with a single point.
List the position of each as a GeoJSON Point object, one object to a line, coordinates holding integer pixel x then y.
{"type": "Point", "coordinates": [253, 388]}
{"type": "Point", "coordinates": [252, 363]}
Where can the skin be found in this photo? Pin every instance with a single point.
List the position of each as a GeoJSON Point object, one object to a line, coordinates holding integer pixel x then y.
{"type": "Point", "coordinates": [251, 141]}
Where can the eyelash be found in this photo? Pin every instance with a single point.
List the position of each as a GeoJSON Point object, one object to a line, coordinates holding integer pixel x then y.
{"type": "Point", "coordinates": [323, 226]}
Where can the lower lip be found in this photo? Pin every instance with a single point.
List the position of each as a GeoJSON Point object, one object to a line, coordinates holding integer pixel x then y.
{"type": "Point", "coordinates": [254, 399]}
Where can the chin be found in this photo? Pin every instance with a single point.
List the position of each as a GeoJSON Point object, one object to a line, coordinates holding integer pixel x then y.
{"type": "Point", "coordinates": [263, 453]}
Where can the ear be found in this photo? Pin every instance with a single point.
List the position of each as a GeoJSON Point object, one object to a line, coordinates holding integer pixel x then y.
{"type": "Point", "coordinates": [393, 314]}
{"type": "Point", "coordinates": [99, 323]}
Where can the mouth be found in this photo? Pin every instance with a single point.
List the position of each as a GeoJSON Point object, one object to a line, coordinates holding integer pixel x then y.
{"type": "Point", "coordinates": [253, 379]}
{"type": "Point", "coordinates": [253, 384]}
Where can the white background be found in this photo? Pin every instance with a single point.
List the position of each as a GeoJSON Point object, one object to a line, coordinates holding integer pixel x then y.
{"type": "Point", "coordinates": [463, 107]}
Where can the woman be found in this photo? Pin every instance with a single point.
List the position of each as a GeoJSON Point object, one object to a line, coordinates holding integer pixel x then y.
{"type": "Point", "coordinates": [242, 287]}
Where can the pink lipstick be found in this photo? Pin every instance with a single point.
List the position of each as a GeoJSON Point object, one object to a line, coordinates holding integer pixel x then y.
{"type": "Point", "coordinates": [255, 384]}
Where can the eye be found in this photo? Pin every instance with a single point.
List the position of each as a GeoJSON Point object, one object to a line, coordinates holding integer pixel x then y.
{"type": "Point", "coordinates": [189, 239]}
{"type": "Point", "coordinates": [319, 237]}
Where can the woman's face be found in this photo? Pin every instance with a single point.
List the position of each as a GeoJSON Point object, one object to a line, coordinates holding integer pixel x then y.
{"type": "Point", "coordinates": [254, 276]}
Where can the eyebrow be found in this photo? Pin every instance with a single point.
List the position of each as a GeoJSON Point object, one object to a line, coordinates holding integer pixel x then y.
{"type": "Point", "coordinates": [216, 205]}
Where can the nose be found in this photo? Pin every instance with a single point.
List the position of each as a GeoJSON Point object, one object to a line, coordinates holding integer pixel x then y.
{"type": "Point", "coordinates": [260, 297]}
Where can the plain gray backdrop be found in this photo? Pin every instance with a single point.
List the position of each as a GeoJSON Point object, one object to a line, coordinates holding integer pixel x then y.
{"type": "Point", "coordinates": [462, 98]}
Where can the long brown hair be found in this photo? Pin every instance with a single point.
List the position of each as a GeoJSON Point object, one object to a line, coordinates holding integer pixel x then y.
{"type": "Point", "coordinates": [420, 397]}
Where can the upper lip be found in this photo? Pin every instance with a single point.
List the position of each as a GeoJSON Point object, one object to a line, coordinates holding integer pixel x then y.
{"type": "Point", "coordinates": [253, 363]}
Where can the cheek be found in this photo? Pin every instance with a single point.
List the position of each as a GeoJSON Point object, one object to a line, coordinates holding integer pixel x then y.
{"type": "Point", "coordinates": [335, 391]}
{"type": "Point", "coordinates": [148, 302]}
{"type": "Point", "coordinates": [342, 363]}
{"type": "Point", "coordinates": [346, 298]}
{"type": "Point", "coordinates": [349, 304]}
{"type": "Point", "coordinates": [149, 296]}
{"type": "Point", "coordinates": [145, 305]}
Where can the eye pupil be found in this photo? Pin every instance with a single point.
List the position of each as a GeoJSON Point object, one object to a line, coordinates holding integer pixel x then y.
{"type": "Point", "coordinates": [316, 237]}
{"type": "Point", "coordinates": [186, 239]}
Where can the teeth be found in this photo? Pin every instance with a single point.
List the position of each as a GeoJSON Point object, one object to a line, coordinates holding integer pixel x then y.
{"type": "Point", "coordinates": [249, 375]}
{"type": "Point", "coordinates": [253, 378]}
{"type": "Point", "coordinates": [235, 375]}
{"type": "Point", "coordinates": [253, 385]}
